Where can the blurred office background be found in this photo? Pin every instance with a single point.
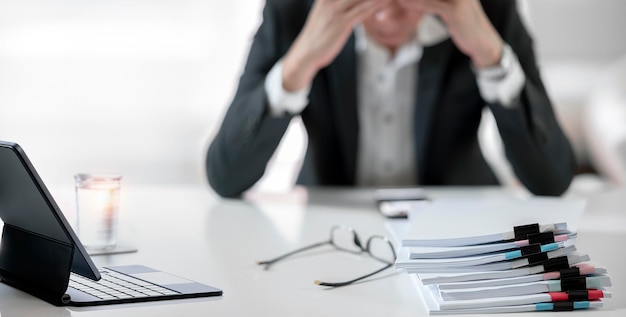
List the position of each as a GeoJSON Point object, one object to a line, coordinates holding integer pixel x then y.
{"type": "Point", "coordinates": [139, 87]}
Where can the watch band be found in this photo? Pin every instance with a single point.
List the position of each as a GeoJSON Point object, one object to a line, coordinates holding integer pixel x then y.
{"type": "Point", "coordinates": [500, 70]}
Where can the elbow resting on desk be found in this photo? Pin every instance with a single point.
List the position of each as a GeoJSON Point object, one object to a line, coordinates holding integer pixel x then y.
{"type": "Point", "coordinates": [552, 180]}
{"type": "Point", "coordinates": [223, 184]}
{"type": "Point", "coordinates": [230, 178]}
{"type": "Point", "coordinates": [219, 178]}
{"type": "Point", "coordinates": [550, 187]}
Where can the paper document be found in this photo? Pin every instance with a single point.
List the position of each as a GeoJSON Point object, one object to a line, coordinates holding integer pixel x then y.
{"type": "Point", "coordinates": [455, 252]}
{"type": "Point", "coordinates": [585, 269]}
{"type": "Point", "coordinates": [550, 250]}
{"type": "Point", "coordinates": [511, 304]}
{"type": "Point", "coordinates": [591, 282]}
{"type": "Point", "coordinates": [447, 223]}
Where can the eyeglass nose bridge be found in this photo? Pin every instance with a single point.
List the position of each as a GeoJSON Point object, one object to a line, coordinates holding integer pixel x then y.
{"type": "Point", "coordinates": [355, 237]}
{"type": "Point", "coordinates": [368, 248]}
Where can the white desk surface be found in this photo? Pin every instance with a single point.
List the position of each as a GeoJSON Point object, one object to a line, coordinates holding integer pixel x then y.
{"type": "Point", "coordinates": [188, 231]}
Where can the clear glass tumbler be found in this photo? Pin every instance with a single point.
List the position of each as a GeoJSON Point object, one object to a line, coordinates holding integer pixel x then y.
{"type": "Point", "coordinates": [97, 209]}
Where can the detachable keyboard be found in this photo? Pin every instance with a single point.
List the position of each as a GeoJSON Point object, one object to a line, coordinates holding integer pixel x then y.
{"type": "Point", "coordinates": [114, 285]}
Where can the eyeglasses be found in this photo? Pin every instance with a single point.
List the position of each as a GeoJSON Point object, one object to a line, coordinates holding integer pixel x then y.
{"type": "Point", "coordinates": [345, 238]}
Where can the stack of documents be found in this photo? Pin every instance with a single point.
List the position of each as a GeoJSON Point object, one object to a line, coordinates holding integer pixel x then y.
{"type": "Point", "coordinates": [499, 256]}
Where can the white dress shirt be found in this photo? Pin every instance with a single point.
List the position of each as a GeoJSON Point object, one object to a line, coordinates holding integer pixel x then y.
{"type": "Point", "coordinates": [386, 100]}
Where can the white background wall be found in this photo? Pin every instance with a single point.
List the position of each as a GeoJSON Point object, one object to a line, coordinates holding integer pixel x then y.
{"type": "Point", "coordinates": [129, 86]}
{"type": "Point", "coordinates": [577, 41]}
{"type": "Point", "coordinates": [139, 87]}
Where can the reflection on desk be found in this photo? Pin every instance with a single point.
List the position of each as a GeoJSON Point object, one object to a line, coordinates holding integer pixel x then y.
{"type": "Point", "coordinates": [15, 303]}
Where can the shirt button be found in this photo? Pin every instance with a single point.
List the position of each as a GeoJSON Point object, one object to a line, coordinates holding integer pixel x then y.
{"type": "Point", "coordinates": [388, 118]}
{"type": "Point", "coordinates": [387, 167]}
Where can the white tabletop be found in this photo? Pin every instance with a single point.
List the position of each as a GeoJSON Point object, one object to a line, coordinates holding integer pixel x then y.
{"type": "Point", "coordinates": [187, 231]}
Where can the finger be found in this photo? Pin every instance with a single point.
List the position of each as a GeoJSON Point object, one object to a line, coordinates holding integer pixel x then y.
{"type": "Point", "coordinates": [361, 12]}
{"type": "Point", "coordinates": [344, 6]}
{"type": "Point", "coordinates": [429, 6]}
{"type": "Point", "coordinates": [411, 4]}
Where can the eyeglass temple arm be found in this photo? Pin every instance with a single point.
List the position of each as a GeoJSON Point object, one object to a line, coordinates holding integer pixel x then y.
{"type": "Point", "coordinates": [318, 282]}
{"type": "Point", "coordinates": [272, 261]}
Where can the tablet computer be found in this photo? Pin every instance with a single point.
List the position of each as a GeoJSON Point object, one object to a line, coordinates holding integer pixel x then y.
{"type": "Point", "coordinates": [42, 255]}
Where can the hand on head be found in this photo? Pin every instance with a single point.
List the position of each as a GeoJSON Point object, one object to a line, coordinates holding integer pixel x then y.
{"type": "Point", "coordinates": [325, 32]}
{"type": "Point", "coordinates": [468, 26]}
{"type": "Point", "coordinates": [391, 23]}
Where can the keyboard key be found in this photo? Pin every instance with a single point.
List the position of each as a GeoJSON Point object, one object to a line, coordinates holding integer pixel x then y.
{"type": "Point", "coordinates": [114, 285]}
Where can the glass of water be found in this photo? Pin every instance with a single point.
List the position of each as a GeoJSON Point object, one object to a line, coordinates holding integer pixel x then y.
{"type": "Point", "coordinates": [97, 209]}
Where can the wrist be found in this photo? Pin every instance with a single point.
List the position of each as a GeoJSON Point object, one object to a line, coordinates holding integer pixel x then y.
{"type": "Point", "coordinates": [489, 55]}
{"type": "Point", "coordinates": [504, 82]}
{"type": "Point", "coordinates": [297, 72]}
{"type": "Point", "coordinates": [498, 70]}
{"type": "Point", "coordinates": [489, 51]}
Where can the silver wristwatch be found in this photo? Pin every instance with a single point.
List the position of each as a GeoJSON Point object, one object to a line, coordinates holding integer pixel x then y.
{"type": "Point", "coordinates": [499, 71]}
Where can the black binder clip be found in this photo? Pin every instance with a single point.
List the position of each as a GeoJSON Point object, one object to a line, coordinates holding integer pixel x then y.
{"type": "Point", "coordinates": [530, 249]}
{"type": "Point", "coordinates": [556, 264]}
{"type": "Point", "coordinates": [541, 238]}
{"type": "Point", "coordinates": [578, 295]}
{"type": "Point", "coordinates": [573, 283]}
{"type": "Point", "coordinates": [521, 232]}
{"type": "Point", "coordinates": [537, 258]}
{"type": "Point", "coordinates": [570, 272]}
{"type": "Point", "coordinates": [563, 306]}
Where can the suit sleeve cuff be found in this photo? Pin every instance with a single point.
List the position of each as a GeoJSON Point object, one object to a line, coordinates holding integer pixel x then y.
{"type": "Point", "coordinates": [280, 100]}
{"type": "Point", "coordinates": [504, 82]}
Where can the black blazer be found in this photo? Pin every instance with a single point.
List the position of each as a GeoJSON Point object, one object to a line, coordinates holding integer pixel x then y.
{"type": "Point", "coordinates": [447, 115]}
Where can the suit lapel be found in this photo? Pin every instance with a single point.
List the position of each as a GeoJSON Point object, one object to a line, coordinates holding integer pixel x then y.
{"type": "Point", "coordinates": [432, 69]}
{"type": "Point", "coordinates": [343, 96]}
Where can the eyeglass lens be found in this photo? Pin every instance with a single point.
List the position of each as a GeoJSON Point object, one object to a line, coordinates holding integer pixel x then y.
{"type": "Point", "coordinates": [345, 238]}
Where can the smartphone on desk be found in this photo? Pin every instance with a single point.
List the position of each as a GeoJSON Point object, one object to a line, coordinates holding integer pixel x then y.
{"type": "Point", "coordinates": [396, 202]}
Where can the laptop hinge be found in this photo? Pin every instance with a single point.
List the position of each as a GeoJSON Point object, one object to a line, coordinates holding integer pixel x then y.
{"type": "Point", "coordinates": [35, 264]}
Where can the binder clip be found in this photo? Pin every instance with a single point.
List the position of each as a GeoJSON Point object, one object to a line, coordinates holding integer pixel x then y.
{"type": "Point", "coordinates": [522, 232]}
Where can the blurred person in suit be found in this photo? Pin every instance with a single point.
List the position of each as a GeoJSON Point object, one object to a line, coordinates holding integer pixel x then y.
{"type": "Point", "coordinates": [391, 93]}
